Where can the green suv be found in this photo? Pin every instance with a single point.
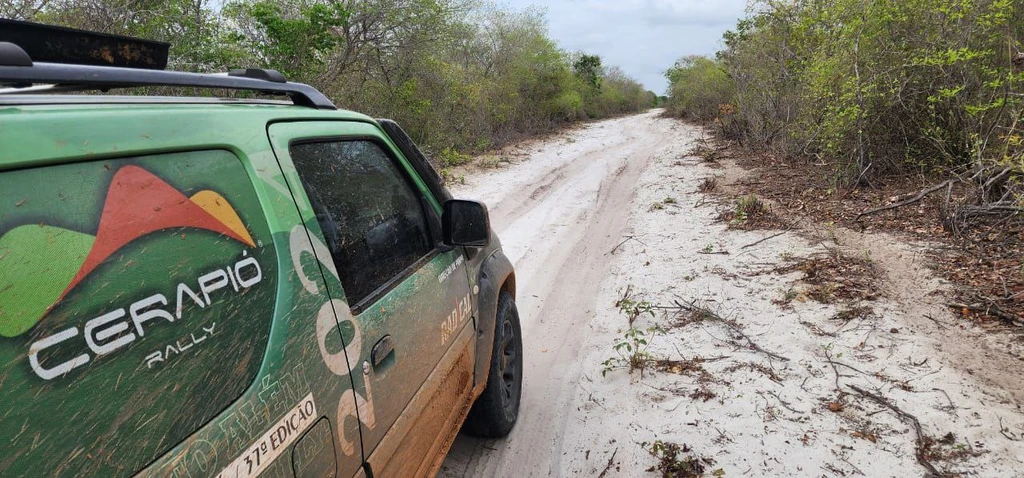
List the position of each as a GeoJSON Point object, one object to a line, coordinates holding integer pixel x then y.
{"type": "Point", "coordinates": [197, 286]}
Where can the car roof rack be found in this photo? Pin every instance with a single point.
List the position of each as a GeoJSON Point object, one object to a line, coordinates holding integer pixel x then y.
{"type": "Point", "coordinates": [68, 59]}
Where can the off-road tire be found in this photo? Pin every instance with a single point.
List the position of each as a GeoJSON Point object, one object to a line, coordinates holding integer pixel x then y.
{"type": "Point", "coordinates": [495, 411]}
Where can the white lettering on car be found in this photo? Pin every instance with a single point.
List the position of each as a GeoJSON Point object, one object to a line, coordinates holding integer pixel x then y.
{"type": "Point", "coordinates": [177, 348]}
{"type": "Point", "coordinates": [447, 272]}
{"type": "Point", "coordinates": [182, 288]}
{"type": "Point", "coordinates": [139, 317]}
{"type": "Point", "coordinates": [258, 456]}
{"type": "Point", "coordinates": [39, 345]}
{"type": "Point", "coordinates": [458, 315]}
{"type": "Point", "coordinates": [331, 314]}
{"type": "Point", "coordinates": [112, 331]}
{"type": "Point", "coordinates": [211, 282]}
{"type": "Point", "coordinates": [94, 336]}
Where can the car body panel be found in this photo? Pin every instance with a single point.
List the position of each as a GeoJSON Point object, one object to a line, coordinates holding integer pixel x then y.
{"type": "Point", "coordinates": [422, 312]}
{"type": "Point", "coordinates": [292, 365]}
{"type": "Point", "coordinates": [305, 361]}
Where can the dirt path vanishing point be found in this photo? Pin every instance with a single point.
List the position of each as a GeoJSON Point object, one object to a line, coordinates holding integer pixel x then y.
{"type": "Point", "coordinates": [760, 389]}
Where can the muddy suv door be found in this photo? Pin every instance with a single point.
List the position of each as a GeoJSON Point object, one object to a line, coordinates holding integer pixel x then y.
{"type": "Point", "coordinates": [402, 299]}
{"type": "Point", "coordinates": [137, 301]}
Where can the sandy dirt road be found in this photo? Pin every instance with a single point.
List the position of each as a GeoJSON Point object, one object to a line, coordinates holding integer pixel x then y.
{"type": "Point", "coordinates": [558, 214]}
{"type": "Point", "coordinates": [612, 206]}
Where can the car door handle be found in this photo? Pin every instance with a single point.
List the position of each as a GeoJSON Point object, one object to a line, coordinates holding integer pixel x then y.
{"type": "Point", "coordinates": [382, 349]}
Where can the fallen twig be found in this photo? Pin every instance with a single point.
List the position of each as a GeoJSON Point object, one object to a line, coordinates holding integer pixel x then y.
{"type": "Point", "coordinates": [855, 369]}
{"type": "Point", "coordinates": [628, 238]}
{"type": "Point", "coordinates": [693, 307]}
{"type": "Point", "coordinates": [784, 403]}
{"type": "Point", "coordinates": [919, 449]}
{"type": "Point", "coordinates": [722, 253]}
{"type": "Point", "coordinates": [611, 462]}
{"type": "Point", "coordinates": [1006, 432]}
{"type": "Point", "coordinates": [921, 195]}
{"type": "Point", "coordinates": [828, 358]}
{"type": "Point", "coordinates": [938, 322]}
{"type": "Point", "coordinates": [773, 236]}
{"type": "Point", "coordinates": [847, 461]}
{"type": "Point", "coordinates": [950, 400]}
{"type": "Point", "coordinates": [990, 309]}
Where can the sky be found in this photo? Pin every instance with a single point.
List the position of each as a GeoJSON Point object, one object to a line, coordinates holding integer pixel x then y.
{"type": "Point", "coordinates": [643, 37]}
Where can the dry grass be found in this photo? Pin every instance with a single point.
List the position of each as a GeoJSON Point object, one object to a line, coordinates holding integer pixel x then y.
{"type": "Point", "coordinates": [708, 184]}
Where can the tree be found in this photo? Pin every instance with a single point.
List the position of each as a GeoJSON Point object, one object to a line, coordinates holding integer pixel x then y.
{"type": "Point", "coordinates": [293, 37]}
{"type": "Point", "coordinates": [588, 67]}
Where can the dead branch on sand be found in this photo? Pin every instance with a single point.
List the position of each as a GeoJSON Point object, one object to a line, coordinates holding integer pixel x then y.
{"type": "Point", "coordinates": [919, 450]}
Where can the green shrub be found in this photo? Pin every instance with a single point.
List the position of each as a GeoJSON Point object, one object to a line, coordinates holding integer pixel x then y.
{"type": "Point", "coordinates": [698, 88]}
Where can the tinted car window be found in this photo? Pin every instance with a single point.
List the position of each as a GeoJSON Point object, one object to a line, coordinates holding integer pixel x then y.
{"type": "Point", "coordinates": [371, 217]}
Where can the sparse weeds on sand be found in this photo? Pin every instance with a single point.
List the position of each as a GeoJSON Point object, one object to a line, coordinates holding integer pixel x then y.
{"type": "Point", "coordinates": [449, 177]}
{"type": "Point", "coordinates": [834, 278]}
{"type": "Point", "coordinates": [669, 201]}
{"type": "Point", "coordinates": [748, 206]}
{"type": "Point", "coordinates": [491, 161]}
{"type": "Point", "coordinates": [750, 212]}
{"type": "Point", "coordinates": [450, 157]}
{"type": "Point", "coordinates": [788, 296]}
{"type": "Point", "coordinates": [633, 308]}
{"type": "Point", "coordinates": [678, 461]}
{"type": "Point", "coordinates": [632, 350]}
{"type": "Point", "coordinates": [703, 149]}
{"type": "Point", "coordinates": [708, 184]}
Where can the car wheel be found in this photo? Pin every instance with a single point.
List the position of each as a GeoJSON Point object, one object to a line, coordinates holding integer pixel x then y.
{"type": "Point", "coordinates": [495, 411]}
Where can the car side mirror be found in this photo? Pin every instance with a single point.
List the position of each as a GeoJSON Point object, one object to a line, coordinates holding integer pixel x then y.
{"type": "Point", "coordinates": [465, 223]}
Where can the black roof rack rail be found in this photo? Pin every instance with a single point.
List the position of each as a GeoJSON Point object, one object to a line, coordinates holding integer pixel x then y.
{"type": "Point", "coordinates": [17, 70]}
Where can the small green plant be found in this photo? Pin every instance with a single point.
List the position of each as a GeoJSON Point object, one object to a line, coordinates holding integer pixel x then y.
{"type": "Point", "coordinates": [657, 206]}
{"type": "Point", "coordinates": [449, 157]}
{"type": "Point", "coordinates": [669, 200]}
{"type": "Point", "coordinates": [449, 177]}
{"type": "Point", "coordinates": [788, 295]}
{"type": "Point", "coordinates": [708, 249]}
{"type": "Point", "coordinates": [677, 461]}
{"type": "Point", "coordinates": [490, 161]}
{"type": "Point", "coordinates": [690, 277]}
{"type": "Point", "coordinates": [633, 309]}
{"type": "Point", "coordinates": [632, 350]}
{"type": "Point", "coordinates": [747, 207]}
{"type": "Point", "coordinates": [831, 231]}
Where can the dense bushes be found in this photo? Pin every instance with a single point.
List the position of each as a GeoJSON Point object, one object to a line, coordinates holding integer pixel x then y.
{"type": "Point", "coordinates": [457, 76]}
{"type": "Point", "coordinates": [871, 86]}
{"type": "Point", "coordinates": [698, 86]}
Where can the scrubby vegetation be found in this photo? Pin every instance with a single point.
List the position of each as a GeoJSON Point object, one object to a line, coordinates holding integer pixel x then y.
{"type": "Point", "coordinates": [902, 116]}
{"type": "Point", "coordinates": [459, 75]}
{"type": "Point", "coordinates": [875, 87]}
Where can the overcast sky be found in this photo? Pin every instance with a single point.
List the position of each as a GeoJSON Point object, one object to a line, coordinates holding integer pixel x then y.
{"type": "Point", "coordinates": [643, 37]}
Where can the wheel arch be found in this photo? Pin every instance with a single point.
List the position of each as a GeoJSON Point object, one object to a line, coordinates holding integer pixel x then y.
{"type": "Point", "coordinates": [496, 275]}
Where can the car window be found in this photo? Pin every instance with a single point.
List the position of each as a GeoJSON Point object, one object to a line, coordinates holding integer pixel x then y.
{"type": "Point", "coordinates": [372, 218]}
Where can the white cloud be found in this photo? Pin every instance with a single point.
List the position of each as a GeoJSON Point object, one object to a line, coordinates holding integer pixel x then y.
{"type": "Point", "coordinates": [643, 37]}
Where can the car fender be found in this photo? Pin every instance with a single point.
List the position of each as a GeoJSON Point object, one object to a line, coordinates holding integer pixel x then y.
{"type": "Point", "coordinates": [496, 273]}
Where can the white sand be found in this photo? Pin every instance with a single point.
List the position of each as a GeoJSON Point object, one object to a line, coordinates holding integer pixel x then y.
{"type": "Point", "coordinates": [566, 202]}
